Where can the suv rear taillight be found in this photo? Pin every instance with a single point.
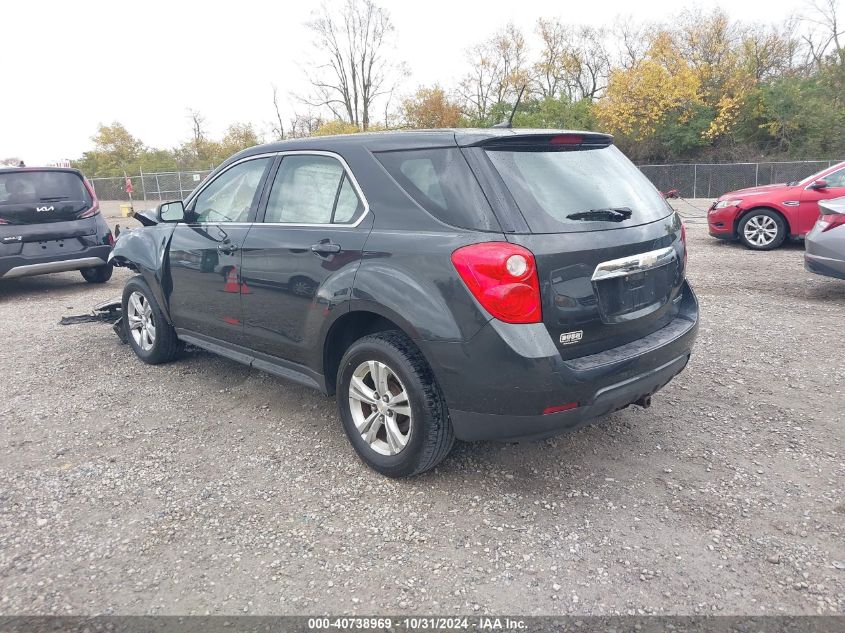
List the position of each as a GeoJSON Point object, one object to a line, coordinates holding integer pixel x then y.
{"type": "Point", "coordinates": [90, 212]}
{"type": "Point", "coordinates": [831, 221]}
{"type": "Point", "coordinates": [503, 278]}
{"type": "Point", "coordinates": [95, 205]}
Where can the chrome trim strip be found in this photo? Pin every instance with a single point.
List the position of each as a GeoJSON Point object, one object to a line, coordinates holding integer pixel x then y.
{"type": "Point", "coordinates": [634, 264]}
{"type": "Point", "coordinates": [307, 152]}
{"type": "Point", "coordinates": [791, 203]}
{"type": "Point", "coordinates": [53, 267]}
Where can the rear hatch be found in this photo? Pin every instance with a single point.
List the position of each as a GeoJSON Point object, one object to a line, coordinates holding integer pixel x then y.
{"type": "Point", "coordinates": [31, 196]}
{"type": "Point", "coordinates": [609, 249]}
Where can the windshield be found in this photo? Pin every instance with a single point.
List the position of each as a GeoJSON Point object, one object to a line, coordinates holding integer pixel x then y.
{"type": "Point", "coordinates": [590, 189]}
{"type": "Point", "coordinates": [31, 187]}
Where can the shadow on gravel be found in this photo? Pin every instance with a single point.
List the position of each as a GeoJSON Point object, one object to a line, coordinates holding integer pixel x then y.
{"type": "Point", "coordinates": [789, 245]}
{"type": "Point", "coordinates": [15, 288]}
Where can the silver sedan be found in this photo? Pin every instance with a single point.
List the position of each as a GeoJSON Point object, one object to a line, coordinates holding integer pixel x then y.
{"type": "Point", "coordinates": [825, 244]}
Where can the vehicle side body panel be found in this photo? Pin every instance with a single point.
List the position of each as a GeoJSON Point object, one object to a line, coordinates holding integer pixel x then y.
{"type": "Point", "coordinates": [498, 379]}
{"type": "Point", "coordinates": [797, 204]}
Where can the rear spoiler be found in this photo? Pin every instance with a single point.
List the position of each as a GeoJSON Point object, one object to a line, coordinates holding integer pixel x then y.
{"type": "Point", "coordinates": [546, 141]}
{"type": "Point", "coordinates": [835, 206]}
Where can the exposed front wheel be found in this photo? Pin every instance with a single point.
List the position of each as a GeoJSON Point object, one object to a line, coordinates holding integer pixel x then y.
{"type": "Point", "coordinates": [391, 407]}
{"type": "Point", "coordinates": [762, 230]}
{"type": "Point", "coordinates": [98, 274]}
{"type": "Point", "coordinates": [152, 338]}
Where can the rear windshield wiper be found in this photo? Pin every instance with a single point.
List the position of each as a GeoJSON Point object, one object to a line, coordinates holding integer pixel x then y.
{"type": "Point", "coordinates": [610, 214]}
{"type": "Point", "coordinates": [53, 198]}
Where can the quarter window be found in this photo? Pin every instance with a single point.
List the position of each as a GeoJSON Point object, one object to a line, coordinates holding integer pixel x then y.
{"type": "Point", "coordinates": [312, 190]}
{"type": "Point", "coordinates": [233, 194]}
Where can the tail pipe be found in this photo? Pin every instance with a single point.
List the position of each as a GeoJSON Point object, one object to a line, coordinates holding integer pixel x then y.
{"type": "Point", "coordinates": [644, 402]}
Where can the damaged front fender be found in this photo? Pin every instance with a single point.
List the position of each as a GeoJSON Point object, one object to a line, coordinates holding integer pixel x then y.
{"type": "Point", "coordinates": [144, 250]}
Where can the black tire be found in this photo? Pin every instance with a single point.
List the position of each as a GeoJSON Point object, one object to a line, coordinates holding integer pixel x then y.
{"type": "Point", "coordinates": [98, 274]}
{"type": "Point", "coordinates": [760, 240]}
{"type": "Point", "coordinates": [166, 346]}
{"type": "Point", "coordinates": [430, 436]}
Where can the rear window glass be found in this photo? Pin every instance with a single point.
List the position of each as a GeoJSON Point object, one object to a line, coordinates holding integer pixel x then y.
{"type": "Point", "coordinates": [28, 187]}
{"type": "Point", "coordinates": [559, 191]}
{"type": "Point", "coordinates": [441, 182]}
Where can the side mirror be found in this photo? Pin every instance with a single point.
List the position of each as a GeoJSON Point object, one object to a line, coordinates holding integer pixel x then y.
{"type": "Point", "coordinates": [171, 211]}
{"type": "Point", "coordinates": [821, 183]}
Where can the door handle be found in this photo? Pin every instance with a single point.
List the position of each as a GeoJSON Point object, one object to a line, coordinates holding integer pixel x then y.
{"type": "Point", "coordinates": [325, 248]}
{"type": "Point", "coordinates": [227, 249]}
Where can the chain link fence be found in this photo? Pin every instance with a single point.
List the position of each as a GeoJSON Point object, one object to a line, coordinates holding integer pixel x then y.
{"type": "Point", "coordinates": [692, 180]}
{"type": "Point", "coordinates": [710, 180]}
{"type": "Point", "coordinates": [174, 185]}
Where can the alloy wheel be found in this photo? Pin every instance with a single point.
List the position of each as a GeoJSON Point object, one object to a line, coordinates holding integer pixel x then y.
{"type": "Point", "coordinates": [760, 230]}
{"type": "Point", "coordinates": [139, 315]}
{"type": "Point", "coordinates": [380, 407]}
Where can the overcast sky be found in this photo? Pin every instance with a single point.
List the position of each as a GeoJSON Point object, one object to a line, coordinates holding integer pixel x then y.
{"type": "Point", "coordinates": [67, 66]}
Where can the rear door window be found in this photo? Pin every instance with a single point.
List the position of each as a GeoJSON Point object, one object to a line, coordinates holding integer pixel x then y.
{"type": "Point", "coordinates": [578, 190]}
{"type": "Point", "coordinates": [441, 182]}
{"type": "Point", "coordinates": [312, 189]}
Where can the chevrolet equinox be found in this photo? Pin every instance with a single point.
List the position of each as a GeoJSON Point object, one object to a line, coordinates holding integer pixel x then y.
{"type": "Point", "coordinates": [469, 284]}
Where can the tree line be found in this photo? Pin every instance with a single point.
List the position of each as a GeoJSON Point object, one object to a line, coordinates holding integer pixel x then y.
{"type": "Point", "coordinates": [698, 87]}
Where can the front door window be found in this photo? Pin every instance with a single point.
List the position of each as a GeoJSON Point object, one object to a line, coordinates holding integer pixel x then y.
{"type": "Point", "coordinates": [231, 196]}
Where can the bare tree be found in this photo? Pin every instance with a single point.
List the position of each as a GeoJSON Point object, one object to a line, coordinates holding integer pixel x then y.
{"type": "Point", "coordinates": [769, 52]}
{"type": "Point", "coordinates": [499, 69]}
{"type": "Point", "coordinates": [825, 31]}
{"type": "Point", "coordinates": [303, 125]}
{"type": "Point", "coordinates": [277, 126]}
{"type": "Point", "coordinates": [197, 125]}
{"type": "Point", "coordinates": [354, 70]}
{"type": "Point", "coordinates": [633, 40]}
{"type": "Point", "coordinates": [574, 61]}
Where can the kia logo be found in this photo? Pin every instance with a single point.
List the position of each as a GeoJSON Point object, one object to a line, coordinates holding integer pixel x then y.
{"type": "Point", "coordinates": [41, 209]}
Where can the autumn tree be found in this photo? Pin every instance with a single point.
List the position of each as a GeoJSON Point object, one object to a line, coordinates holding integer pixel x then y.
{"type": "Point", "coordinates": [330, 128]}
{"type": "Point", "coordinates": [660, 87]}
{"type": "Point", "coordinates": [238, 136]}
{"type": "Point", "coordinates": [354, 70]}
{"type": "Point", "coordinates": [431, 108]}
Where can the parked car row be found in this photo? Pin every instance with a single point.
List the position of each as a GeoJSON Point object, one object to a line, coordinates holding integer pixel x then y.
{"type": "Point", "coordinates": [469, 284]}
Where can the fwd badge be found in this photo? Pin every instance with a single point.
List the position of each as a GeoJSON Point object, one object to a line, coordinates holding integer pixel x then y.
{"type": "Point", "coordinates": [568, 338]}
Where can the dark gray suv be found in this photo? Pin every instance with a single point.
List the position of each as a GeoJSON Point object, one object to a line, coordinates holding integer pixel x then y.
{"type": "Point", "coordinates": [50, 222]}
{"type": "Point", "coordinates": [470, 284]}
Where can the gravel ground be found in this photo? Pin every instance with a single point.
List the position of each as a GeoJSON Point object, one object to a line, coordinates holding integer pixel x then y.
{"type": "Point", "coordinates": [205, 487]}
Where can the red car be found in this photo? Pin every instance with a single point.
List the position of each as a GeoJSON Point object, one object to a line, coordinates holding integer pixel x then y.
{"type": "Point", "coordinates": [763, 217]}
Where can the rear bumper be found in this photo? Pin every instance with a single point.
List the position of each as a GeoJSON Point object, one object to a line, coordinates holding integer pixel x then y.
{"type": "Point", "coordinates": [826, 266]}
{"type": "Point", "coordinates": [36, 249]}
{"type": "Point", "coordinates": [28, 266]}
{"type": "Point", "coordinates": [486, 426]}
{"type": "Point", "coordinates": [498, 385]}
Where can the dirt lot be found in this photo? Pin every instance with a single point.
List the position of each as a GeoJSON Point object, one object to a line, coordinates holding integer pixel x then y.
{"type": "Point", "coordinates": [206, 487]}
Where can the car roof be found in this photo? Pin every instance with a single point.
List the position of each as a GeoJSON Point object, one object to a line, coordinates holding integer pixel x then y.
{"type": "Point", "coordinates": [408, 139]}
{"type": "Point", "coordinates": [19, 170]}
